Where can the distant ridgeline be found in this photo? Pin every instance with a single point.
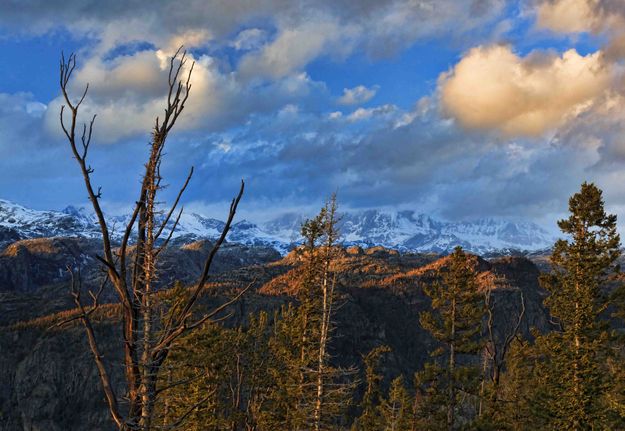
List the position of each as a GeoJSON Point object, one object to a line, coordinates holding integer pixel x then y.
{"type": "Point", "coordinates": [403, 230]}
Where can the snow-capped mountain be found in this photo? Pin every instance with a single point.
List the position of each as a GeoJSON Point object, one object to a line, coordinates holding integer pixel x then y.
{"type": "Point", "coordinates": [402, 230]}
{"type": "Point", "coordinates": [18, 222]}
{"type": "Point", "coordinates": [409, 231]}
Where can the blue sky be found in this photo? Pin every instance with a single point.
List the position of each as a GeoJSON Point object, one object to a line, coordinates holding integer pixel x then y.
{"type": "Point", "coordinates": [458, 108]}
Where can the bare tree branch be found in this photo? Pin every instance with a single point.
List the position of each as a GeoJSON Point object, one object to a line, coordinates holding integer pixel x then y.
{"type": "Point", "coordinates": [175, 204]}
{"type": "Point", "coordinates": [109, 393]}
{"type": "Point", "coordinates": [135, 282]}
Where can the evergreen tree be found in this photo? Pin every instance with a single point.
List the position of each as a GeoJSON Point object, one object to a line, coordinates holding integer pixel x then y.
{"type": "Point", "coordinates": [573, 372]}
{"type": "Point", "coordinates": [312, 394]}
{"type": "Point", "coordinates": [218, 378]}
{"type": "Point", "coordinates": [616, 396]}
{"type": "Point", "coordinates": [396, 409]}
{"type": "Point", "coordinates": [369, 418]}
{"type": "Point", "coordinates": [430, 399]}
{"type": "Point", "coordinates": [455, 321]}
{"type": "Point", "coordinates": [519, 393]}
{"type": "Point", "coordinates": [290, 349]}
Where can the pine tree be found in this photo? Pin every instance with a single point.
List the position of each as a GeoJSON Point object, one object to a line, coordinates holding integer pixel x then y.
{"type": "Point", "coordinates": [430, 399]}
{"type": "Point", "coordinates": [218, 378]}
{"type": "Point", "coordinates": [455, 321]}
{"type": "Point", "coordinates": [573, 372]}
{"type": "Point", "coordinates": [396, 409]}
{"type": "Point", "coordinates": [288, 346]}
{"type": "Point", "coordinates": [369, 418]}
{"type": "Point", "coordinates": [616, 396]}
{"type": "Point", "coordinates": [313, 394]}
{"type": "Point", "coordinates": [519, 392]}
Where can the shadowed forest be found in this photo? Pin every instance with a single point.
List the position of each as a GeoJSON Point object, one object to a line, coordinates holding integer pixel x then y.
{"type": "Point", "coordinates": [148, 333]}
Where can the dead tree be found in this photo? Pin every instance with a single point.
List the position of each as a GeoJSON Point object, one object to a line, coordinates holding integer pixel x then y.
{"type": "Point", "coordinates": [496, 350]}
{"type": "Point", "coordinates": [133, 274]}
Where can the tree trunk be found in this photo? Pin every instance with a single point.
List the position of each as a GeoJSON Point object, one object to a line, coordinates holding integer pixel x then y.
{"type": "Point", "coordinates": [323, 337]}
{"type": "Point", "coordinates": [451, 370]}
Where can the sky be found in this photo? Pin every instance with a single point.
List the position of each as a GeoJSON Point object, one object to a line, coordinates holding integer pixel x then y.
{"type": "Point", "coordinates": [461, 109]}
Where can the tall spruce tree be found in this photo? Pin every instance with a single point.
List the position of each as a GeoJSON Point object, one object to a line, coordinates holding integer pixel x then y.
{"type": "Point", "coordinates": [456, 322]}
{"type": "Point", "coordinates": [573, 374]}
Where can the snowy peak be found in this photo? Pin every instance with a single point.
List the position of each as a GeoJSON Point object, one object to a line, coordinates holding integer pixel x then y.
{"type": "Point", "coordinates": [406, 230]}
{"type": "Point", "coordinates": [402, 230]}
{"type": "Point", "coordinates": [76, 212]}
{"type": "Point", "coordinates": [28, 223]}
{"type": "Point", "coordinates": [374, 227]}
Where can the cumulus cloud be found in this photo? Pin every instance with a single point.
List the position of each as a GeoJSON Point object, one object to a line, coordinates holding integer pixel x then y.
{"type": "Point", "coordinates": [256, 113]}
{"type": "Point", "coordinates": [275, 41]}
{"type": "Point", "coordinates": [303, 30]}
{"type": "Point", "coordinates": [128, 92]}
{"type": "Point", "coordinates": [295, 47]}
{"type": "Point", "coordinates": [389, 23]}
{"type": "Point", "coordinates": [575, 16]}
{"type": "Point", "coordinates": [357, 95]}
{"type": "Point", "coordinates": [493, 88]}
{"type": "Point", "coordinates": [568, 16]}
{"type": "Point", "coordinates": [605, 17]}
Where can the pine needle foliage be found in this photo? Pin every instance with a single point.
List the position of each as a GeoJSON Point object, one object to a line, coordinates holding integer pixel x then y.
{"type": "Point", "coordinates": [573, 374]}
{"type": "Point", "coordinates": [456, 322]}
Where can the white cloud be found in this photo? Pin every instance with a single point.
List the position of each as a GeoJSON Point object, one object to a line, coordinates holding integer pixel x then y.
{"type": "Point", "coordinates": [605, 17]}
{"type": "Point", "coordinates": [384, 25]}
{"type": "Point", "coordinates": [277, 40]}
{"type": "Point", "coordinates": [128, 92]}
{"type": "Point", "coordinates": [357, 95]}
{"type": "Point", "coordinates": [295, 47]}
{"type": "Point", "coordinates": [361, 114]}
{"type": "Point", "coordinates": [249, 39]}
{"type": "Point", "coordinates": [189, 38]}
{"type": "Point", "coordinates": [568, 16]}
{"type": "Point", "coordinates": [379, 155]}
{"type": "Point", "coordinates": [493, 88]}
{"type": "Point", "coordinates": [335, 115]}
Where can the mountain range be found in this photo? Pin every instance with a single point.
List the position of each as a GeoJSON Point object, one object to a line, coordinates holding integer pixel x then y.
{"type": "Point", "coordinates": [400, 230]}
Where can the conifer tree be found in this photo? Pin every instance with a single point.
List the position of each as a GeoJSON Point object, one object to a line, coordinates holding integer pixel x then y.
{"type": "Point", "coordinates": [582, 264]}
{"type": "Point", "coordinates": [396, 409]}
{"type": "Point", "coordinates": [455, 321]}
{"type": "Point", "coordinates": [313, 394]}
{"type": "Point", "coordinates": [616, 396]}
{"type": "Point", "coordinates": [288, 346]}
{"type": "Point", "coordinates": [519, 392]}
{"type": "Point", "coordinates": [218, 378]}
{"type": "Point", "coordinates": [369, 418]}
{"type": "Point", "coordinates": [429, 399]}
